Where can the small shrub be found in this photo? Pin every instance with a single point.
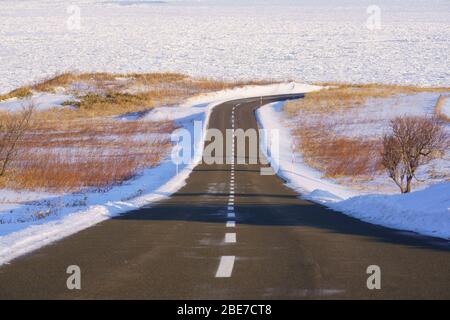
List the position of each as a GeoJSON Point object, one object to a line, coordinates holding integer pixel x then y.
{"type": "Point", "coordinates": [412, 142]}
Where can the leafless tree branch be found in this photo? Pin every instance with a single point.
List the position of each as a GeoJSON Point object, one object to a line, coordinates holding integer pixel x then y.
{"type": "Point", "coordinates": [413, 141]}
{"type": "Point", "coordinates": [12, 130]}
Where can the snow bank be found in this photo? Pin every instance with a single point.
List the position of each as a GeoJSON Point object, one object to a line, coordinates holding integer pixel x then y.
{"type": "Point", "coordinates": [174, 112]}
{"type": "Point", "coordinates": [445, 110]}
{"type": "Point", "coordinates": [425, 211]}
{"type": "Point", "coordinates": [41, 101]}
{"type": "Point", "coordinates": [256, 91]}
{"type": "Point", "coordinates": [299, 176]}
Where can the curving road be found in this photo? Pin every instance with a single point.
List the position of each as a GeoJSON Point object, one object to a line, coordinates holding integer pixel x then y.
{"type": "Point", "coordinates": [232, 233]}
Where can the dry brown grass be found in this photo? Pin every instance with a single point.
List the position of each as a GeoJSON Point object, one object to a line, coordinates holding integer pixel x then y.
{"type": "Point", "coordinates": [337, 156]}
{"type": "Point", "coordinates": [89, 154]}
{"type": "Point", "coordinates": [107, 94]}
{"type": "Point", "coordinates": [438, 109]}
{"type": "Point", "coordinates": [65, 79]}
{"type": "Point", "coordinates": [338, 96]}
{"type": "Point", "coordinates": [321, 120]}
{"type": "Point", "coordinates": [21, 92]}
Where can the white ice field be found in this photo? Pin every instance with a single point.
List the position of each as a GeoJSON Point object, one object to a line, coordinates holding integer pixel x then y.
{"type": "Point", "coordinates": [308, 41]}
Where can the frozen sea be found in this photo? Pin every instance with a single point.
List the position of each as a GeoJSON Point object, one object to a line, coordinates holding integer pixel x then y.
{"type": "Point", "coordinates": [309, 41]}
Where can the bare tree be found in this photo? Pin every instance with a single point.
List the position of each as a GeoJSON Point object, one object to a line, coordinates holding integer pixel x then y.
{"type": "Point", "coordinates": [12, 129]}
{"type": "Point", "coordinates": [413, 141]}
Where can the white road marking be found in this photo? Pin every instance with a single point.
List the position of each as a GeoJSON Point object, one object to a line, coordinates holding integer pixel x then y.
{"type": "Point", "coordinates": [231, 196]}
{"type": "Point", "coordinates": [230, 208]}
{"type": "Point", "coordinates": [230, 237]}
{"type": "Point", "coordinates": [231, 224]}
{"type": "Point", "coordinates": [231, 215]}
{"type": "Point", "coordinates": [225, 267]}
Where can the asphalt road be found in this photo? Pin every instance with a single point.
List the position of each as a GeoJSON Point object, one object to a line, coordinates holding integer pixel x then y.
{"type": "Point", "coordinates": [249, 237]}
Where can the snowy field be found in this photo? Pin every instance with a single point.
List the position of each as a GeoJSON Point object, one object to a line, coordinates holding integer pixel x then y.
{"type": "Point", "coordinates": [303, 40]}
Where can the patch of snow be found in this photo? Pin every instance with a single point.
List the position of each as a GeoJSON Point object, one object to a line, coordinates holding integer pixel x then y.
{"type": "Point", "coordinates": [42, 101]}
{"type": "Point", "coordinates": [373, 117]}
{"type": "Point", "coordinates": [446, 107]}
{"type": "Point", "coordinates": [173, 112]}
{"type": "Point", "coordinates": [425, 211]}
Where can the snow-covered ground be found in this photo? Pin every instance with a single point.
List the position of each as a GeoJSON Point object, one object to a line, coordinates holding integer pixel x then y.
{"type": "Point", "coordinates": [446, 107]}
{"type": "Point", "coordinates": [41, 101]}
{"type": "Point", "coordinates": [63, 214]}
{"type": "Point", "coordinates": [322, 40]}
{"type": "Point", "coordinates": [426, 211]}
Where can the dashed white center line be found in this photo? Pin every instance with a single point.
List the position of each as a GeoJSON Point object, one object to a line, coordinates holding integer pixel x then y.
{"type": "Point", "coordinates": [226, 264]}
{"type": "Point", "coordinates": [230, 237]}
{"type": "Point", "coordinates": [225, 267]}
{"type": "Point", "coordinates": [231, 224]}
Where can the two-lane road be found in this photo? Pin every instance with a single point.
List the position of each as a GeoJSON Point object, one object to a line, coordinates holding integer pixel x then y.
{"type": "Point", "coordinates": [232, 233]}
